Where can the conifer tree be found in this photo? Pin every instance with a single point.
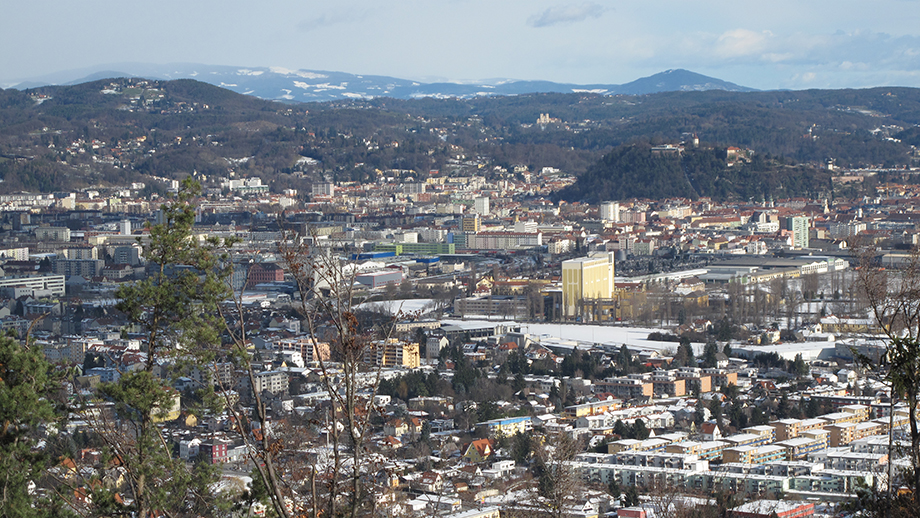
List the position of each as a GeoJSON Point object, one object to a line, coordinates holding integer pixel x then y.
{"type": "Point", "coordinates": [176, 307]}
{"type": "Point", "coordinates": [26, 403]}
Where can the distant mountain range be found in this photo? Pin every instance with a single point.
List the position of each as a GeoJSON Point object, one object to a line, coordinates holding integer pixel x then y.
{"type": "Point", "coordinates": [281, 84]}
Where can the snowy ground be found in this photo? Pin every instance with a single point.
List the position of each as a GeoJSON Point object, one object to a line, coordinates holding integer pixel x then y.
{"type": "Point", "coordinates": [393, 307]}
{"type": "Point", "coordinates": [585, 336]}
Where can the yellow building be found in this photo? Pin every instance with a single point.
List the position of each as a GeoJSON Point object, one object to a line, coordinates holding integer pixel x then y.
{"type": "Point", "coordinates": [586, 278]}
{"type": "Point", "coordinates": [471, 224]}
{"type": "Point", "coordinates": [394, 353]}
{"type": "Point", "coordinates": [754, 454]}
{"type": "Point", "coordinates": [170, 412]}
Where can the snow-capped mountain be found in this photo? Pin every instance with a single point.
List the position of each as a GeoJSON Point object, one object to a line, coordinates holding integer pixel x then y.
{"type": "Point", "coordinates": [283, 84]}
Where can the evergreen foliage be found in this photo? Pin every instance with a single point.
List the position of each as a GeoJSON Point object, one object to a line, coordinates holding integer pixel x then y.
{"type": "Point", "coordinates": [176, 307]}
{"type": "Point", "coordinates": [27, 387]}
{"type": "Point", "coordinates": [216, 125]}
{"type": "Point", "coordinates": [636, 171]}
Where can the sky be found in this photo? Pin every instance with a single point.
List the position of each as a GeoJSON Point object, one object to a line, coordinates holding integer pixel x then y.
{"type": "Point", "coordinates": [794, 44]}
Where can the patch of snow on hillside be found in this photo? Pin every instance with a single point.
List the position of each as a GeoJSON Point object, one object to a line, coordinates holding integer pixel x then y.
{"type": "Point", "coordinates": [299, 73]}
{"type": "Point", "coordinates": [320, 87]}
{"type": "Point", "coordinates": [227, 85]}
{"type": "Point", "coordinates": [247, 72]}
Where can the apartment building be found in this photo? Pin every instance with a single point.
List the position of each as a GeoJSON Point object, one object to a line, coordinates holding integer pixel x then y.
{"type": "Point", "coordinates": [628, 388]}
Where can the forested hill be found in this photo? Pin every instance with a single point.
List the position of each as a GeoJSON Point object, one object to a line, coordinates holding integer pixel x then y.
{"type": "Point", "coordinates": [114, 131]}
{"type": "Point", "coordinates": [637, 171]}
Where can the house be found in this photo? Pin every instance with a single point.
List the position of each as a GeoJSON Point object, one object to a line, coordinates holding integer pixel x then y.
{"type": "Point", "coordinates": [430, 482]}
{"type": "Point", "coordinates": [470, 472]}
{"type": "Point", "coordinates": [502, 468]}
{"type": "Point", "coordinates": [399, 427]}
{"type": "Point", "coordinates": [710, 431]}
{"type": "Point", "coordinates": [390, 442]}
{"type": "Point", "coordinates": [435, 504]}
{"type": "Point", "coordinates": [478, 451]}
{"type": "Point", "coordinates": [506, 426]}
{"type": "Point", "coordinates": [488, 512]}
{"type": "Point", "coordinates": [396, 428]}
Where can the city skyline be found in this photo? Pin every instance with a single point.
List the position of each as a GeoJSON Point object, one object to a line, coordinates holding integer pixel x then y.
{"type": "Point", "coordinates": [782, 45]}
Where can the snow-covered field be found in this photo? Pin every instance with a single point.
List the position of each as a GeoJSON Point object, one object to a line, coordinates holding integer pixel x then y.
{"type": "Point", "coordinates": [393, 307]}
{"type": "Point", "coordinates": [585, 336]}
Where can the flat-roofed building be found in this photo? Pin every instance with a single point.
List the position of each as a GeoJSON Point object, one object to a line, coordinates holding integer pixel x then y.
{"type": "Point", "coordinates": [34, 285]}
{"type": "Point", "coordinates": [586, 278]}
{"type": "Point", "coordinates": [809, 442]}
{"type": "Point", "coordinates": [841, 418]}
{"type": "Point", "coordinates": [52, 233]}
{"type": "Point", "coordinates": [628, 388]}
{"type": "Point", "coordinates": [695, 379]}
{"type": "Point", "coordinates": [754, 454]}
{"type": "Point", "coordinates": [786, 428]}
{"type": "Point", "coordinates": [712, 450]}
{"type": "Point", "coordinates": [15, 254]}
{"type": "Point", "coordinates": [82, 267]}
{"type": "Point", "coordinates": [768, 433]}
{"type": "Point", "coordinates": [778, 508]}
{"type": "Point", "coordinates": [668, 385]}
{"type": "Point", "coordinates": [721, 377]}
{"type": "Point", "coordinates": [746, 439]}
{"type": "Point", "coordinates": [394, 353]}
{"type": "Point", "coordinates": [684, 447]}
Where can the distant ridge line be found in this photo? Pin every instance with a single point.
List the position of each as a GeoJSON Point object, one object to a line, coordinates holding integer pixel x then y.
{"type": "Point", "coordinates": [280, 84]}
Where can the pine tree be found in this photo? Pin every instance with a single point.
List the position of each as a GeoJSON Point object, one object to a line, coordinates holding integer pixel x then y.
{"type": "Point", "coordinates": [709, 355]}
{"type": "Point", "coordinates": [177, 307]}
{"type": "Point", "coordinates": [799, 366]}
{"type": "Point", "coordinates": [26, 391]}
{"type": "Point", "coordinates": [699, 415]}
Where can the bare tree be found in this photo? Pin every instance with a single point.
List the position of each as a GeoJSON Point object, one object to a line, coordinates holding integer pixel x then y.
{"type": "Point", "coordinates": [810, 286]}
{"type": "Point", "coordinates": [893, 298]}
{"type": "Point", "coordinates": [326, 289]}
{"type": "Point", "coordinates": [558, 484]}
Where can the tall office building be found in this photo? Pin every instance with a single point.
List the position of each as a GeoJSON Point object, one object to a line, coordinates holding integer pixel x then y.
{"type": "Point", "coordinates": [323, 189]}
{"type": "Point", "coordinates": [471, 224]}
{"type": "Point", "coordinates": [481, 205]}
{"type": "Point", "coordinates": [799, 225]}
{"type": "Point", "coordinates": [610, 211]}
{"type": "Point", "coordinates": [586, 278]}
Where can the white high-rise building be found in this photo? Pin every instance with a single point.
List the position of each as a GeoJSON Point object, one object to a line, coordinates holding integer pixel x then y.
{"type": "Point", "coordinates": [124, 227]}
{"type": "Point", "coordinates": [481, 205]}
{"type": "Point", "coordinates": [323, 189]}
{"type": "Point", "coordinates": [610, 211]}
{"type": "Point", "coordinates": [799, 225]}
{"type": "Point", "coordinates": [529, 227]}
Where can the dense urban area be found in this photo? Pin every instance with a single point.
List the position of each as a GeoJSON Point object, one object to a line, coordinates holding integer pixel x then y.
{"type": "Point", "coordinates": [470, 330]}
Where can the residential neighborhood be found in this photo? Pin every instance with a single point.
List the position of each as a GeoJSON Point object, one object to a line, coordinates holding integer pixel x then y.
{"type": "Point", "coordinates": [694, 346]}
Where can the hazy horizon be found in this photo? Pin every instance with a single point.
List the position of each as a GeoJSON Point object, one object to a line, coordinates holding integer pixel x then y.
{"type": "Point", "coordinates": [784, 44]}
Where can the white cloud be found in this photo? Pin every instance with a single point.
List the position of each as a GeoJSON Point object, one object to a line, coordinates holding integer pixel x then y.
{"type": "Point", "coordinates": [566, 14]}
{"type": "Point", "coordinates": [327, 19]}
{"type": "Point", "coordinates": [741, 42]}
